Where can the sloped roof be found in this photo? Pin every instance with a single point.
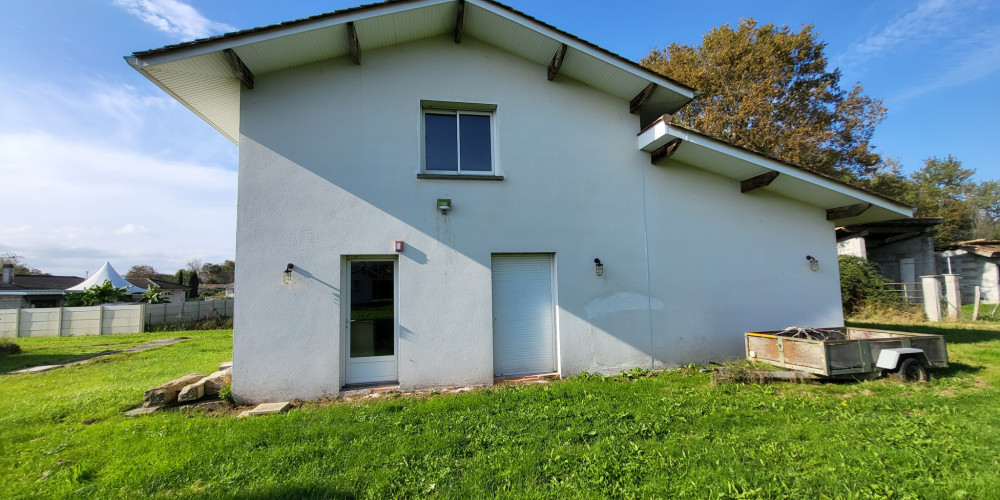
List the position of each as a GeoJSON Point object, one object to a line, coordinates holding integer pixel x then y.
{"type": "Point", "coordinates": [723, 158]}
{"type": "Point", "coordinates": [983, 248]}
{"type": "Point", "coordinates": [26, 282]}
{"type": "Point", "coordinates": [145, 283]}
{"type": "Point", "coordinates": [200, 76]}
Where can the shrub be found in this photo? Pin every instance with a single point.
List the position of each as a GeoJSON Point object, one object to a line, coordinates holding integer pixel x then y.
{"type": "Point", "coordinates": [862, 285]}
{"type": "Point", "coordinates": [8, 347]}
{"type": "Point", "coordinates": [226, 393]}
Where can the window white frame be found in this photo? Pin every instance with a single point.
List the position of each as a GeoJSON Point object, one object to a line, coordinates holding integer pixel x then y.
{"type": "Point", "coordinates": [458, 109]}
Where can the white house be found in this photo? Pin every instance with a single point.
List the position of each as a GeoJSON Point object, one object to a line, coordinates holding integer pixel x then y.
{"type": "Point", "coordinates": [426, 186]}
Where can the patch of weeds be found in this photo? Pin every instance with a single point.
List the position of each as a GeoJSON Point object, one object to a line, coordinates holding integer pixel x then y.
{"type": "Point", "coordinates": [634, 374]}
{"type": "Point", "coordinates": [7, 347]}
{"type": "Point", "coordinates": [226, 394]}
{"type": "Point", "coordinates": [741, 373]}
{"type": "Point", "coordinates": [210, 323]}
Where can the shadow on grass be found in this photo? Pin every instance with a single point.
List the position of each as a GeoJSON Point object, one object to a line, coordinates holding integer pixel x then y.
{"type": "Point", "coordinates": [956, 369]}
{"type": "Point", "coordinates": [953, 334]}
{"type": "Point", "coordinates": [20, 361]}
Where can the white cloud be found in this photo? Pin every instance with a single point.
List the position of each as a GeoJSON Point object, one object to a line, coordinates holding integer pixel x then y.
{"type": "Point", "coordinates": [84, 203]}
{"type": "Point", "coordinates": [176, 18]}
{"type": "Point", "coordinates": [133, 229]}
{"type": "Point", "coordinates": [978, 57]}
{"type": "Point", "coordinates": [931, 20]}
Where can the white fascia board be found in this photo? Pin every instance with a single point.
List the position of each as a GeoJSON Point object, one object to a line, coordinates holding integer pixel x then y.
{"type": "Point", "coordinates": [586, 49]}
{"type": "Point", "coordinates": [32, 292]}
{"type": "Point", "coordinates": [661, 133]}
{"type": "Point", "coordinates": [225, 42]}
{"type": "Point", "coordinates": [135, 64]}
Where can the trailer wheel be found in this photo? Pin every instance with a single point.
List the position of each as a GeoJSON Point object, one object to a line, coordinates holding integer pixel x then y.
{"type": "Point", "coordinates": [912, 370]}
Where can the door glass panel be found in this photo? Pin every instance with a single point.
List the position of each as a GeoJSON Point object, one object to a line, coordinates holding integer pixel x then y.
{"type": "Point", "coordinates": [372, 321]}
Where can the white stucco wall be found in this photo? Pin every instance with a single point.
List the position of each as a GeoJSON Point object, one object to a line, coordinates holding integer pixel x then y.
{"type": "Point", "coordinates": [328, 161]}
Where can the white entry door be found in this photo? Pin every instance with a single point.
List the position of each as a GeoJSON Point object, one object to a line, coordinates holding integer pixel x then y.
{"type": "Point", "coordinates": [371, 329]}
{"type": "Point", "coordinates": [524, 334]}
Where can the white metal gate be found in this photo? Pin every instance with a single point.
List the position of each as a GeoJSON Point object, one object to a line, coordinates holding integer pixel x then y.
{"type": "Point", "coordinates": [524, 340]}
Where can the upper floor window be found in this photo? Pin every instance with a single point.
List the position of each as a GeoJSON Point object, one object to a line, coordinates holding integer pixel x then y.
{"type": "Point", "coordinates": [459, 141]}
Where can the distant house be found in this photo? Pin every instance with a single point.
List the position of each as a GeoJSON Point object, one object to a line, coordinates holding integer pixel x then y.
{"type": "Point", "coordinates": [976, 263]}
{"type": "Point", "coordinates": [170, 291]}
{"type": "Point", "coordinates": [32, 291]}
{"type": "Point", "coordinates": [27, 291]}
{"type": "Point", "coordinates": [903, 248]}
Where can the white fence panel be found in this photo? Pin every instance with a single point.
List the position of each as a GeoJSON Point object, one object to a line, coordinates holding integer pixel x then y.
{"type": "Point", "coordinates": [39, 323]}
{"type": "Point", "coordinates": [107, 319]}
{"type": "Point", "coordinates": [8, 322]}
{"type": "Point", "coordinates": [81, 321]}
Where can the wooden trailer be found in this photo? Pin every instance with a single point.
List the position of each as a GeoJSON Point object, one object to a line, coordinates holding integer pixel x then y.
{"type": "Point", "coordinates": [851, 352]}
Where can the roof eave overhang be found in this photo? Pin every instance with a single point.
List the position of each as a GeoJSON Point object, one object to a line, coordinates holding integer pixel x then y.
{"type": "Point", "coordinates": [32, 292]}
{"type": "Point", "coordinates": [712, 155]}
{"type": "Point", "coordinates": [214, 96]}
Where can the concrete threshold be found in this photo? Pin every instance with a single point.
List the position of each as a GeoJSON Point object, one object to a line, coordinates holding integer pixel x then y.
{"type": "Point", "coordinates": [527, 379]}
{"type": "Point", "coordinates": [364, 389]}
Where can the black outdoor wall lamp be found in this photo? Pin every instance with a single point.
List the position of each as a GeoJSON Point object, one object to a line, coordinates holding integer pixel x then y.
{"type": "Point", "coordinates": [287, 278]}
{"type": "Point", "coordinates": [813, 263]}
{"type": "Point", "coordinates": [598, 267]}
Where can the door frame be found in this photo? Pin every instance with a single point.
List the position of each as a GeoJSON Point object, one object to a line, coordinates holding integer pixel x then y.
{"type": "Point", "coordinates": [345, 315]}
{"type": "Point", "coordinates": [554, 284]}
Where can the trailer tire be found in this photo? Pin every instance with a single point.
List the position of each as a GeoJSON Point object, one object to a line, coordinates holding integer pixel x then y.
{"type": "Point", "coordinates": [912, 370]}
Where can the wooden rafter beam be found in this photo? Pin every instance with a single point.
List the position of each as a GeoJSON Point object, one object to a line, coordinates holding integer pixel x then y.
{"type": "Point", "coordinates": [241, 70]}
{"type": "Point", "coordinates": [557, 60]}
{"type": "Point", "coordinates": [758, 181]}
{"type": "Point", "coordinates": [847, 211]}
{"type": "Point", "coordinates": [460, 21]}
{"type": "Point", "coordinates": [352, 42]}
{"type": "Point", "coordinates": [665, 151]}
{"type": "Point", "coordinates": [641, 98]}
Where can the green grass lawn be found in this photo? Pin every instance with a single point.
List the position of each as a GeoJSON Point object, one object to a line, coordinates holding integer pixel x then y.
{"type": "Point", "coordinates": [62, 434]}
{"type": "Point", "coordinates": [51, 350]}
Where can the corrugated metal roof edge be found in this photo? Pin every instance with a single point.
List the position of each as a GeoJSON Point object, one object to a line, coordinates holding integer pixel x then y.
{"type": "Point", "coordinates": [672, 123]}
{"type": "Point", "coordinates": [341, 12]}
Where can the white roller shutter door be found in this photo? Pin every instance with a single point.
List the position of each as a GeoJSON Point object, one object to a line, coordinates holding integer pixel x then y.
{"type": "Point", "coordinates": [523, 315]}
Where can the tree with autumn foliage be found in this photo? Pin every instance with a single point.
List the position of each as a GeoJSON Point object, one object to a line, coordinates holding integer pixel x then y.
{"type": "Point", "coordinates": [769, 89]}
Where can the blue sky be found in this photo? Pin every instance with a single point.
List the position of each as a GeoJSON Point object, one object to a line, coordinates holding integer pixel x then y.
{"type": "Point", "coordinates": [99, 164]}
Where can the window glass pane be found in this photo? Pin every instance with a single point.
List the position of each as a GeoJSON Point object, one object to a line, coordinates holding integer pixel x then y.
{"type": "Point", "coordinates": [476, 148]}
{"type": "Point", "coordinates": [441, 142]}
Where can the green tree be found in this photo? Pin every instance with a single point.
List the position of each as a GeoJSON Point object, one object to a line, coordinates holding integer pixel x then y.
{"type": "Point", "coordinates": [98, 294]}
{"type": "Point", "coordinates": [152, 296]}
{"type": "Point", "coordinates": [862, 284]}
{"type": "Point", "coordinates": [179, 277]}
{"type": "Point", "coordinates": [942, 188]}
{"type": "Point", "coordinates": [218, 273]}
{"type": "Point", "coordinates": [143, 271]}
{"type": "Point", "coordinates": [769, 89]}
{"type": "Point", "coordinates": [193, 282]}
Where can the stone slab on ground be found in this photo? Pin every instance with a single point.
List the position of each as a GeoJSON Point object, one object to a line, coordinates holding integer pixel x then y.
{"type": "Point", "coordinates": [142, 410]}
{"type": "Point", "coordinates": [227, 364]}
{"type": "Point", "coordinates": [204, 405]}
{"type": "Point", "coordinates": [167, 393]}
{"type": "Point", "coordinates": [216, 381]}
{"type": "Point", "coordinates": [192, 392]}
{"type": "Point", "coordinates": [267, 409]}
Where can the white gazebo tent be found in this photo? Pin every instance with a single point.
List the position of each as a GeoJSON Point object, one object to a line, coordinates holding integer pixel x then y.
{"type": "Point", "coordinates": [106, 273]}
